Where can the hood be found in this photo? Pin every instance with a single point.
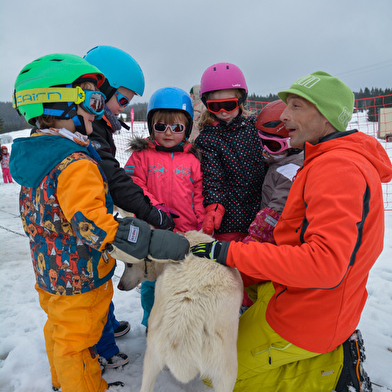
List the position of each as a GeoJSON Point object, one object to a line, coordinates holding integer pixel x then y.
{"type": "Point", "coordinates": [359, 142]}
{"type": "Point", "coordinates": [141, 144]}
{"type": "Point", "coordinates": [32, 158]}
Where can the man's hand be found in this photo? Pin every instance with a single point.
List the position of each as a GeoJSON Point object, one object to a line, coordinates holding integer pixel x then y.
{"type": "Point", "coordinates": [210, 250]}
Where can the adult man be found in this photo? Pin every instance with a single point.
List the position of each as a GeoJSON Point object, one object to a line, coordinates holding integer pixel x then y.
{"type": "Point", "coordinates": [299, 333]}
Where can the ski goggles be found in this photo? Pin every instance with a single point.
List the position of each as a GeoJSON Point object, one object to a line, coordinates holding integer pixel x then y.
{"type": "Point", "coordinates": [176, 128]}
{"type": "Point", "coordinates": [92, 101]}
{"type": "Point", "coordinates": [122, 100]}
{"type": "Point", "coordinates": [274, 144]}
{"type": "Point", "coordinates": [227, 105]}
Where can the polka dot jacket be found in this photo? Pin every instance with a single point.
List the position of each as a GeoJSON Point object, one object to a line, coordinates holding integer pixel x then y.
{"type": "Point", "coordinates": [233, 171]}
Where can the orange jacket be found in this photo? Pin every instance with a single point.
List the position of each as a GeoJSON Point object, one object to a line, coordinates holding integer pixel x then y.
{"type": "Point", "coordinates": [329, 236]}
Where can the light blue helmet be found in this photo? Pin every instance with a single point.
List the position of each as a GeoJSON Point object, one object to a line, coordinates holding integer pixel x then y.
{"type": "Point", "coordinates": [171, 98]}
{"type": "Point", "coordinates": [119, 68]}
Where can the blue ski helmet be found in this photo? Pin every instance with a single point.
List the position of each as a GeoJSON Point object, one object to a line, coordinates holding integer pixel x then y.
{"type": "Point", "coordinates": [171, 98]}
{"type": "Point", "coordinates": [120, 69]}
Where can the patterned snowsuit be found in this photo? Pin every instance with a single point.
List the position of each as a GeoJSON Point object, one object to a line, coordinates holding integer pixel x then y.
{"type": "Point", "coordinates": [65, 208]}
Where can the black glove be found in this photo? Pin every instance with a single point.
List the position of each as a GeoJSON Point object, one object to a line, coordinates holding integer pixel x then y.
{"type": "Point", "coordinates": [210, 250]}
{"type": "Point", "coordinates": [132, 240]}
{"type": "Point", "coordinates": [160, 219]}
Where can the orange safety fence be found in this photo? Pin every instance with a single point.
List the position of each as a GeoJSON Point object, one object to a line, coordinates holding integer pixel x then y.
{"type": "Point", "coordinates": [371, 116]}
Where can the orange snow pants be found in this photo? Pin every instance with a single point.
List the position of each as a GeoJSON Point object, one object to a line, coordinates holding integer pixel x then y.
{"type": "Point", "coordinates": [75, 324]}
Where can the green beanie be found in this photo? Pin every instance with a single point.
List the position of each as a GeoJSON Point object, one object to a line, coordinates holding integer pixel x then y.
{"type": "Point", "coordinates": [333, 98]}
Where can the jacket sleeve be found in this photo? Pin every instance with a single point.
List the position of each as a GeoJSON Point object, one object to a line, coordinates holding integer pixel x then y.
{"type": "Point", "coordinates": [125, 193]}
{"type": "Point", "coordinates": [213, 174]}
{"type": "Point", "coordinates": [320, 252]}
{"type": "Point", "coordinates": [198, 198]}
{"type": "Point", "coordinates": [137, 168]}
{"type": "Point", "coordinates": [280, 192]}
{"type": "Point", "coordinates": [81, 195]}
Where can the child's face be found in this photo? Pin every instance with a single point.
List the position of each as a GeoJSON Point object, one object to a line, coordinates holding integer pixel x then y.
{"type": "Point", "coordinates": [225, 94]}
{"type": "Point", "coordinates": [168, 138]}
{"type": "Point", "coordinates": [114, 105]}
{"type": "Point", "coordinates": [88, 119]}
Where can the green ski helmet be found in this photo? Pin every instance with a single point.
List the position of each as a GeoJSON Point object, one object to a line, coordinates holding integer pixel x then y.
{"type": "Point", "coordinates": [44, 87]}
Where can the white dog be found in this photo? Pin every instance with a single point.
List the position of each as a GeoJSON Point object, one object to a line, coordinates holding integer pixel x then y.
{"type": "Point", "coordinates": [193, 325]}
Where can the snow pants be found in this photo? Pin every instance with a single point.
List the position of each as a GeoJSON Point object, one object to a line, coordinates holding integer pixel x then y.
{"type": "Point", "coordinates": [269, 363]}
{"type": "Point", "coordinates": [107, 347]}
{"type": "Point", "coordinates": [6, 175]}
{"type": "Point", "coordinates": [75, 324]}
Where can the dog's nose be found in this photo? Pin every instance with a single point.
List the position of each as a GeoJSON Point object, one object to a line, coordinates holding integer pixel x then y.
{"type": "Point", "coordinates": [120, 286]}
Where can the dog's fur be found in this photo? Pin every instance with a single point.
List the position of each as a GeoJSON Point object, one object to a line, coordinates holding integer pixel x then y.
{"type": "Point", "coordinates": [193, 325]}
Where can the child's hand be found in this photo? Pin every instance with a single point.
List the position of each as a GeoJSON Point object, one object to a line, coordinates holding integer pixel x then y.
{"type": "Point", "coordinates": [159, 218]}
{"type": "Point", "coordinates": [214, 217]}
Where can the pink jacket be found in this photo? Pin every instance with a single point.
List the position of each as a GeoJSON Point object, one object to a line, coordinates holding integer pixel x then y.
{"type": "Point", "coordinates": [170, 178]}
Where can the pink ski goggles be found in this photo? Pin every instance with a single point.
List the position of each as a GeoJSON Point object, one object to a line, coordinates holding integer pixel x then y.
{"type": "Point", "coordinates": [274, 144]}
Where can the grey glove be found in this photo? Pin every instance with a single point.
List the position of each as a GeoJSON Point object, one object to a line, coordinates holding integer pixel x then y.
{"type": "Point", "coordinates": [132, 240]}
{"type": "Point", "coordinates": [166, 245]}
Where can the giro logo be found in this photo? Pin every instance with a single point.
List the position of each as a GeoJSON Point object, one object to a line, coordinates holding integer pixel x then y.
{"type": "Point", "coordinates": [307, 81]}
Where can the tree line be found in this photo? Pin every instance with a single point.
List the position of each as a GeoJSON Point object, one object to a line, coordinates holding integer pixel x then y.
{"type": "Point", "coordinates": [10, 120]}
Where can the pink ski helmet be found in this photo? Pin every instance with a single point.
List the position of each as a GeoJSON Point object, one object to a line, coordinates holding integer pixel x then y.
{"type": "Point", "coordinates": [223, 76]}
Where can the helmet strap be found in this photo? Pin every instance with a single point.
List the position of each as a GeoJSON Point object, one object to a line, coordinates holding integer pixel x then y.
{"type": "Point", "coordinates": [66, 111]}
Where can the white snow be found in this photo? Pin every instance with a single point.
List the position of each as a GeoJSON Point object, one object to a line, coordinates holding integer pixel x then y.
{"type": "Point", "coordinates": [23, 362]}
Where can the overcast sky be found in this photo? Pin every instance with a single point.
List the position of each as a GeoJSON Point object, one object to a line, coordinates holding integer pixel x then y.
{"type": "Point", "coordinates": [274, 42]}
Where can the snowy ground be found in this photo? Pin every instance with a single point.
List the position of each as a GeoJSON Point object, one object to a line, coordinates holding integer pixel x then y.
{"type": "Point", "coordinates": [23, 362]}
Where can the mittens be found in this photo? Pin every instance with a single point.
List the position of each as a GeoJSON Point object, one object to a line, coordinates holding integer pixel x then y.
{"type": "Point", "coordinates": [166, 245]}
{"type": "Point", "coordinates": [132, 240]}
{"type": "Point", "coordinates": [213, 218]}
{"type": "Point", "coordinates": [261, 229]}
{"type": "Point", "coordinates": [135, 240]}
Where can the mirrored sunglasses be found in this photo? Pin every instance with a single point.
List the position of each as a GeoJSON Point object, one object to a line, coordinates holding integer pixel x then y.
{"type": "Point", "coordinates": [227, 105]}
{"type": "Point", "coordinates": [122, 99]}
{"type": "Point", "coordinates": [94, 102]}
{"type": "Point", "coordinates": [176, 128]}
{"type": "Point", "coordinates": [274, 144]}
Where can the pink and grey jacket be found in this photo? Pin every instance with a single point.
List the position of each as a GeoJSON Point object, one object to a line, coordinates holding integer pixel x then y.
{"type": "Point", "coordinates": [172, 178]}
